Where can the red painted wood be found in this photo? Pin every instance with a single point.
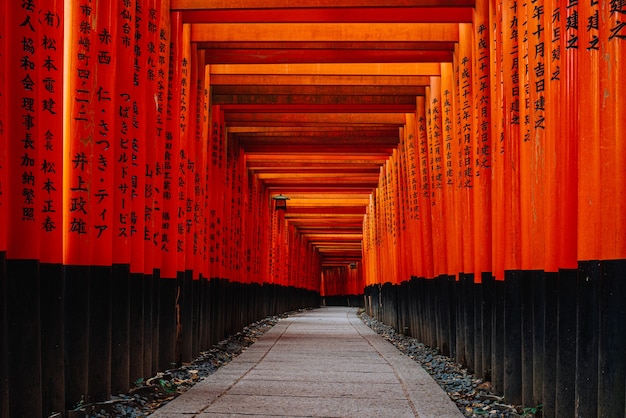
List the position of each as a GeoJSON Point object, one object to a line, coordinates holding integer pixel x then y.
{"type": "Point", "coordinates": [51, 36]}
{"type": "Point", "coordinates": [328, 14]}
{"type": "Point", "coordinates": [171, 160]}
{"type": "Point", "coordinates": [289, 56]}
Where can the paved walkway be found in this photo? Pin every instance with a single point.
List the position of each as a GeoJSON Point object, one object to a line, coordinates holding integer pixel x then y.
{"type": "Point", "coordinates": [322, 363]}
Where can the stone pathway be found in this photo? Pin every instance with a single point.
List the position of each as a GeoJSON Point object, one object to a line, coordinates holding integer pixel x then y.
{"type": "Point", "coordinates": [320, 363]}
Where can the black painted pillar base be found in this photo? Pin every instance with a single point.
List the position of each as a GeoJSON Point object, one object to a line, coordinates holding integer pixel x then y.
{"type": "Point", "coordinates": [497, 346]}
{"type": "Point", "coordinates": [566, 344]}
{"type": "Point", "coordinates": [527, 307]}
{"type": "Point", "coordinates": [136, 328]}
{"type": "Point", "coordinates": [588, 324]}
{"type": "Point", "coordinates": [24, 341]}
{"type": "Point", "coordinates": [467, 286]}
{"type": "Point", "coordinates": [612, 362]}
{"type": "Point", "coordinates": [445, 316]}
{"type": "Point", "coordinates": [52, 336]}
{"type": "Point", "coordinates": [120, 328]}
{"type": "Point", "coordinates": [459, 314]}
{"type": "Point", "coordinates": [99, 376]}
{"type": "Point", "coordinates": [477, 327]}
{"type": "Point", "coordinates": [487, 324]}
{"type": "Point", "coordinates": [198, 317]}
{"type": "Point", "coordinates": [185, 304]}
{"type": "Point", "coordinates": [539, 311]}
{"type": "Point", "coordinates": [76, 334]}
{"type": "Point", "coordinates": [513, 337]}
{"type": "Point", "coordinates": [167, 322]}
{"type": "Point", "coordinates": [156, 289]}
{"type": "Point", "coordinates": [4, 361]}
{"type": "Point", "coordinates": [550, 342]}
{"type": "Point", "coordinates": [148, 362]}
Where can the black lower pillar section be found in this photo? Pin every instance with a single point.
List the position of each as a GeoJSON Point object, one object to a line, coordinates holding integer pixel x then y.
{"type": "Point", "coordinates": [527, 337]}
{"type": "Point", "coordinates": [459, 310]}
{"type": "Point", "coordinates": [120, 337]}
{"type": "Point", "coordinates": [196, 346]}
{"type": "Point", "coordinates": [99, 379]}
{"type": "Point", "coordinates": [513, 337]}
{"type": "Point", "coordinates": [4, 360]}
{"type": "Point", "coordinates": [487, 324]}
{"type": "Point", "coordinates": [611, 384]}
{"type": "Point", "coordinates": [148, 282]}
{"type": "Point", "coordinates": [156, 288]}
{"type": "Point", "coordinates": [76, 334]}
{"type": "Point", "coordinates": [467, 283]}
{"type": "Point", "coordinates": [167, 322]}
{"type": "Point", "coordinates": [550, 339]}
{"type": "Point", "coordinates": [136, 328]}
{"type": "Point", "coordinates": [588, 324]}
{"type": "Point", "coordinates": [566, 344]}
{"type": "Point", "coordinates": [478, 329]}
{"type": "Point", "coordinates": [445, 316]}
{"type": "Point", "coordinates": [53, 387]}
{"type": "Point", "coordinates": [539, 310]}
{"type": "Point", "coordinates": [451, 292]}
{"type": "Point", "coordinates": [24, 341]}
{"type": "Point", "coordinates": [497, 346]}
{"type": "Point", "coordinates": [185, 304]}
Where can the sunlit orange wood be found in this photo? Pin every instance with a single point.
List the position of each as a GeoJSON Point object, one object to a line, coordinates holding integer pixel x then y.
{"type": "Point", "coordinates": [436, 153]}
{"type": "Point", "coordinates": [318, 80]}
{"type": "Point", "coordinates": [413, 194]}
{"type": "Point", "coordinates": [497, 129]}
{"type": "Point", "coordinates": [567, 142]}
{"type": "Point", "coordinates": [482, 153]}
{"type": "Point", "coordinates": [271, 4]}
{"type": "Point", "coordinates": [512, 139]}
{"type": "Point", "coordinates": [552, 132]}
{"type": "Point", "coordinates": [426, 14]}
{"type": "Point", "coordinates": [328, 119]}
{"type": "Point", "coordinates": [403, 210]}
{"type": "Point", "coordinates": [612, 149]}
{"type": "Point", "coordinates": [425, 190]}
{"type": "Point", "coordinates": [338, 32]}
{"type": "Point", "coordinates": [453, 190]}
{"type": "Point", "coordinates": [405, 69]}
{"type": "Point", "coordinates": [317, 90]}
{"type": "Point", "coordinates": [530, 196]}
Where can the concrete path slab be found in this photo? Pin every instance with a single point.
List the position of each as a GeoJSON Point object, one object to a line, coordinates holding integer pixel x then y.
{"type": "Point", "coordinates": [321, 363]}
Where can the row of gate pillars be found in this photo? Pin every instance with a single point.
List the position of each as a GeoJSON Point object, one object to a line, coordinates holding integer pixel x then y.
{"type": "Point", "coordinates": [550, 339]}
{"type": "Point", "coordinates": [74, 334]}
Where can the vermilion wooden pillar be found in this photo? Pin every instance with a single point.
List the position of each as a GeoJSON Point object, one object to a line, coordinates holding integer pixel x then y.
{"type": "Point", "coordinates": [50, 178]}
{"type": "Point", "coordinates": [169, 209]}
{"type": "Point", "coordinates": [425, 192]}
{"type": "Point", "coordinates": [21, 215]}
{"type": "Point", "coordinates": [612, 47]}
{"type": "Point", "coordinates": [4, 391]}
{"type": "Point", "coordinates": [413, 194]}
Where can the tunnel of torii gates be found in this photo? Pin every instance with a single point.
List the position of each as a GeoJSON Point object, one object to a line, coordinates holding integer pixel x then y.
{"type": "Point", "coordinates": [455, 167]}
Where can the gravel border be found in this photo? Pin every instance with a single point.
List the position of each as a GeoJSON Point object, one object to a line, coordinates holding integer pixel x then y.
{"type": "Point", "coordinates": [473, 396]}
